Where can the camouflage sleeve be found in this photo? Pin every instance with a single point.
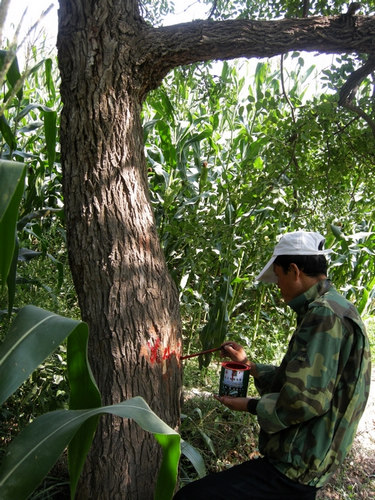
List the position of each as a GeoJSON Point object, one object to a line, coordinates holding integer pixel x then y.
{"type": "Point", "coordinates": [311, 372]}
{"type": "Point", "coordinates": [265, 377]}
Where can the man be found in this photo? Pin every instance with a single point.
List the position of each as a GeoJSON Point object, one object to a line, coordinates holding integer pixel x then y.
{"type": "Point", "coordinates": [310, 405]}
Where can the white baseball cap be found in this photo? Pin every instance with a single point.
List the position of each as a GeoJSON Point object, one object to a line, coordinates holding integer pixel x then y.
{"type": "Point", "coordinates": [297, 243]}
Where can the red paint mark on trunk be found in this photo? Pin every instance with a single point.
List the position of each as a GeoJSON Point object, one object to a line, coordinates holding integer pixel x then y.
{"type": "Point", "coordinates": [158, 353]}
{"type": "Point", "coordinates": [154, 350]}
{"type": "Point", "coordinates": [167, 353]}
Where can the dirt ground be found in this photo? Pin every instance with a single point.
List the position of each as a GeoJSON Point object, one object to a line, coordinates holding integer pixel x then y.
{"type": "Point", "coordinates": [356, 479]}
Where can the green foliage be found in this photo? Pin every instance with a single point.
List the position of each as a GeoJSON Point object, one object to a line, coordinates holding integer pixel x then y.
{"type": "Point", "coordinates": [244, 161]}
{"type": "Point", "coordinates": [276, 9]}
{"type": "Point", "coordinates": [48, 435]}
{"type": "Point", "coordinates": [354, 265]}
{"type": "Point", "coordinates": [29, 135]}
{"type": "Point", "coordinates": [154, 11]}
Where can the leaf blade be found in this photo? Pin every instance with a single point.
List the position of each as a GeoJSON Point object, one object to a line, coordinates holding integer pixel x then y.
{"type": "Point", "coordinates": [34, 334]}
{"type": "Point", "coordinates": [33, 452]}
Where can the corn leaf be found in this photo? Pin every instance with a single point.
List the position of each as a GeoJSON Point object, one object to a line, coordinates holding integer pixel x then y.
{"type": "Point", "coordinates": [34, 334]}
{"type": "Point", "coordinates": [33, 452]}
{"type": "Point", "coordinates": [84, 394]}
{"type": "Point", "coordinates": [12, 175]}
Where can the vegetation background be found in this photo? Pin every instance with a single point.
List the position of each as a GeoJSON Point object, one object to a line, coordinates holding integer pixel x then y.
{"type": "Point", "coordinates": [237, 154]}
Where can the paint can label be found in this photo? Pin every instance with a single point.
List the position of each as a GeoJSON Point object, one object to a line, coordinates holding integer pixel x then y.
{"type": "Point", "coordinates": [234, 379]}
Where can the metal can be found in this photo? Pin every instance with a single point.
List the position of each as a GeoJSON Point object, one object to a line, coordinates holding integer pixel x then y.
{"type": "Point", "coordinates": [234, 379]}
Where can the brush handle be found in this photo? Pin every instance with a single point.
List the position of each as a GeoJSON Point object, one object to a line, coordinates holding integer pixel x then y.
{"type": "Point", "coordinates": [199, 353]}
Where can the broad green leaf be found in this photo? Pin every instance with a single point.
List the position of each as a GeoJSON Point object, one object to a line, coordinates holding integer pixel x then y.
{"type": "Point", "coordinates": [34, 334]}
{"type": "Point", "coordinates": [30, 127]}
{"type": "Point", "coordinates": [167, 476]}
{"type": "Point", "coordinates": [50, 130]}
{"type": "Point", "coordinates": [215, 330]}
{"type": "Point", "coordinates": [206, 438]}
{"type": "Point", "coordinates": [12, 175]}
{"type": "Point", "coordinates": [13, 74]}
{"type": "Point", "coordinates": [336, 230]}
{"type": "Point", "coordinates": [195, 458]}
{"type": "Point", "coordinates": [366, 297]}
{"type": "Point", "coordinates": [12, 277]}
{"type": "Point", "coordinates": [84, 394]}
{"type": "Point", "coordinates": [49, 77]}
{"type": "Point", "coordinates": [7, 133]}
{"type": "Point", "coordinates": [34, 451]}
{"type": "Point", "coordinates": [197, 138]}
{"type": "Point", "coordinates": [31, 107]}
{"type": "Point", "coordinates": [363, 302]}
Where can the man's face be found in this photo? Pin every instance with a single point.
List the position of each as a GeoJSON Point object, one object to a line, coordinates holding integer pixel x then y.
{"type": "Point", "coordinates": [288, 283]}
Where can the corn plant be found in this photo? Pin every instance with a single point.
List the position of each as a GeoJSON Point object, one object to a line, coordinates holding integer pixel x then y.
{"type": "Point", "coordinates": [233, 162]}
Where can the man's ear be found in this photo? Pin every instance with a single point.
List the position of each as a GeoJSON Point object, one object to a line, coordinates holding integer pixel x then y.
{"type": "Point", "coordinates": [295, 270]}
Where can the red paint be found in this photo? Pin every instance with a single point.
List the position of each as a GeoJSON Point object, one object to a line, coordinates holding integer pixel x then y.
{"type": "Point", "coordinates": [154, 350]}
{"type": "Point", "coordinates": [167, 353]}
{"type": "Point", "coordinates": [159, 353]}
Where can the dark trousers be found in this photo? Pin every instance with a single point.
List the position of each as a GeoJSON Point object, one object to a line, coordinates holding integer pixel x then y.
{"type": "Point", "coordinates": [253, 480]}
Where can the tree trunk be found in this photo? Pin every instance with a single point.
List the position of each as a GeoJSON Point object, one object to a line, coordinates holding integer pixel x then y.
{"type": "Point", "coordinates": [125, 292]}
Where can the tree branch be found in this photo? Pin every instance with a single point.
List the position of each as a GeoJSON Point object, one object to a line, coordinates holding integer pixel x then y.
{"type": "Point", "coordinates": [284, 89]}
{"type": "Point", "coordinates": [350, 88]}
{"type": "Point", "coordinates": [171, 46]}
{"type": "Point", "coordinates": [305, 8]}
{"type": "Point", "coordinates": [214, 7]}
{"type": "Point", "coordinates": [359, 111]}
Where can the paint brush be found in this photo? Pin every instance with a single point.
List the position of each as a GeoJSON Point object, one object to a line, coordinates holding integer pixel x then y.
{"type": "Point", "coordinates": [199, 353]}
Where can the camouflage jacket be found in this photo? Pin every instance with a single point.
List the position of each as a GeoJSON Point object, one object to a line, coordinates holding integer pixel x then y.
{"type": "Point", "coordinates": [311, 404]}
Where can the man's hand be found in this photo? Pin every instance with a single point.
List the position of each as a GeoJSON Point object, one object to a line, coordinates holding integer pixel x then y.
{"type": "Point", "coordinates": [233, 403]}
{"type": "Point", "coordinates": [234, 351]}
{"type": "Point", "coordinates": [237, 353]}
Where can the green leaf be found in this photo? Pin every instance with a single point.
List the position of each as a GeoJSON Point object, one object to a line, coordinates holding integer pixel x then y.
{"type": "Point", "coordinates": [12, 278]}
{"type": "Point", "coordinates": [195, 458]}
{"type": "Point", "coordinates": [336, 230]}
{"type": "Point", "coordinates": [33, 452]}
{"type": "Point", "coordinates": [13, 74]}
{"type": "Point", "coordinates": [7, 133]}
{"type": "Point", "coordinates": [84, 394]}
{"type": "Point", "coordinates": [12, 175]}
{"type": "Point", "coordinates": [215, 330]}
{"type": "Point", "coordinates": [167, 476]}
{"type": "Point", "coordinates": [49, 77]}
{"type": "Point", "coordinates": [34, 334]}
{"type": "Point", "coordinates": [50, 130]}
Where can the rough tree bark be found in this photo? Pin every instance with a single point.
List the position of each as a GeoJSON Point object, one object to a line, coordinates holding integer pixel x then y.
{"type": "Point", "coordinates": [109, 60]}
{"type": "Point", "coordinates": [125, 292]}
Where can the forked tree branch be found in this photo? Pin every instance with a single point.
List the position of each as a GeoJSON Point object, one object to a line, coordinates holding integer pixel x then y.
{"type": "Point", "coordinates": [350, 88]}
